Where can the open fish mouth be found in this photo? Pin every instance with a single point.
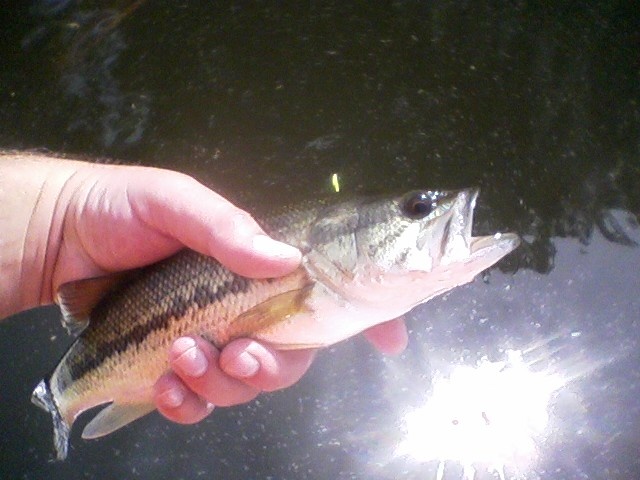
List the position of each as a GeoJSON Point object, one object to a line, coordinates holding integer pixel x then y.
{"type": "Point", "coordinates": [462, 246]}
{"type": "Point", "coordinates": [501, 241]}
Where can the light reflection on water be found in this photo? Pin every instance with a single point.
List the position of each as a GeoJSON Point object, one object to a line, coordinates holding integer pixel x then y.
{"type": "Point", "coordinates": [486, 419]}
{"type": "Point", "coordinates": [490, 415]}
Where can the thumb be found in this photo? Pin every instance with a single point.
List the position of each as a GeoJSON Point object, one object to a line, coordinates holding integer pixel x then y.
{"type": "Point", "coordinates": [182, 208]}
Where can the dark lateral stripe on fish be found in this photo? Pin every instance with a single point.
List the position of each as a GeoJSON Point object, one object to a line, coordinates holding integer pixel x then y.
{"type": "Point", "coordinates": [201, 297]}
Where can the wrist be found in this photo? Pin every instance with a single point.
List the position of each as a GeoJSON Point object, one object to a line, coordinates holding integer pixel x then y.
{"type": "Point", "coordinates": [31, 187]}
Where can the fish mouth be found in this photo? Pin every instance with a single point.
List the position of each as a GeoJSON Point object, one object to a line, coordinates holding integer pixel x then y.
{"type": "Point", "coordinates": [502, 243]}
{"type": "Point", "coordinates": [463, 246]}
{"type": "Point", "coordinates": [456, 242]}
{"type": "Point", "coordinates": [467, 201]}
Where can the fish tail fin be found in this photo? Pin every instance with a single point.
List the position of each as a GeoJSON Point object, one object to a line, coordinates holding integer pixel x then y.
{"type": "Point", "coordinates": [43, 398]}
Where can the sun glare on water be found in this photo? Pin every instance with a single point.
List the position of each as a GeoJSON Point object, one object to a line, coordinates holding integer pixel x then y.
{"type": "Point", "coordinates": [481, 417]}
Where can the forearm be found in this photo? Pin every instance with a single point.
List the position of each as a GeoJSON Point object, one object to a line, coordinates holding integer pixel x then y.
{"type": "Point", "coordinates": [30, 187]}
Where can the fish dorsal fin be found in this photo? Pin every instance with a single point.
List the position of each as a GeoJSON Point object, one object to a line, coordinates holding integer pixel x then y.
{"type": "Point", "coordinates": [77, 299]}
{"type": "Point", "coordinates": [269, 313]}
{"type": "Point", "coordinates": [114, 417]}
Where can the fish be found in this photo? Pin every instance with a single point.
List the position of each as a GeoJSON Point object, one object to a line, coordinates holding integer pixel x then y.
{"type": "Point", "coordinates": [365, 261]}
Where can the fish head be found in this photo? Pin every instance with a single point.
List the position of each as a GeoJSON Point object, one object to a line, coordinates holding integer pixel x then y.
{"type": "Point", "coordinates": [395, 253]}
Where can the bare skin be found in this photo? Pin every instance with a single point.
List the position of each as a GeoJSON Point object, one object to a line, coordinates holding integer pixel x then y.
{"type": "Point", "coordinates": [64, 220]}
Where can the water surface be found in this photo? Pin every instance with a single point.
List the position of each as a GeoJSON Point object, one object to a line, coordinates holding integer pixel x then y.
{"type": "Point", "coordinates": [265, 102]}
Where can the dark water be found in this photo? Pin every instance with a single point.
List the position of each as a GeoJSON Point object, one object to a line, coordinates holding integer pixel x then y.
{"type": "Point", "coordinates": [537, 105]}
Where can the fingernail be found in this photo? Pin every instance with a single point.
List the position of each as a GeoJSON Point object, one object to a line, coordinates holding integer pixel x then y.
{"type": "Point", "coordinates": [268, 246]}
{"type": "Point", "coordinates": [172, 398]}
{"type": "Point", "coordinates": [188, 358]}
{"type": "Point", "coordinates": [244, 365]}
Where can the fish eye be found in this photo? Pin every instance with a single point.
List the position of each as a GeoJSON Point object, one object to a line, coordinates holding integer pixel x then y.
{"type": "Point", "coordinates": [418, 205]}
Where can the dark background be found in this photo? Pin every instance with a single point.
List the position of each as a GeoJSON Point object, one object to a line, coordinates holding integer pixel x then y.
{"type": "Point", "coordinates": [264, 101]}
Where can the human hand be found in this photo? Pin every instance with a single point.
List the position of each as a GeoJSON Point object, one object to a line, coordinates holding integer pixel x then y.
{"type": "Point", "coordinates": [202, 377]}
{"type": "Point", "coordinates": [88, 220]}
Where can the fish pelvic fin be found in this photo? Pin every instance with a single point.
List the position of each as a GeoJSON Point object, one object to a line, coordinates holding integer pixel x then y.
{"type": "Point", "coordinates": [43, 398]}
{"type": "Point", "coordinates": [114, 417]}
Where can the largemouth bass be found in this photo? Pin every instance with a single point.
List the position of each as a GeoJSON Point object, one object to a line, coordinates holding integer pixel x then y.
{"type": "Point", "coordinates": [365, 261]}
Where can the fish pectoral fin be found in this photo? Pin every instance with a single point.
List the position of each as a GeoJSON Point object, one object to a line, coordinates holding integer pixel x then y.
{"type": "Point", "coordinates": [269, 313]}
{"type": "Point", "coordinates": [77, 299]}
{"type": "Point", "coordinates": [115, 416]}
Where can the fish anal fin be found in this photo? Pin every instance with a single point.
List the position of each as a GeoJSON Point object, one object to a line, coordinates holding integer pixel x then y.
{"type": "Point", "coordinates": [114, 417]}
{"type": "Point", "coordinates": [77, 299]}
{"type": "Point", "coordinates": [269, 313]}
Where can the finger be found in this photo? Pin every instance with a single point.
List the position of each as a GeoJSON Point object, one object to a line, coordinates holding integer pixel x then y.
{"type": "Point", "coordinates": [199, 218]}
{"type": "Point", "coordinates": [177, 403]}
{"type": "Point", "coordinates": [195, 361]}
{"type": "Point", "coordinates": [262, 367]}
{"type": "Point", "coordinates": [390, 337]}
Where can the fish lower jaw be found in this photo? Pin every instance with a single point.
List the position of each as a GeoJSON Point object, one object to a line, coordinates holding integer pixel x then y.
{"type": "Point", "coordinates": [503, 242]}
